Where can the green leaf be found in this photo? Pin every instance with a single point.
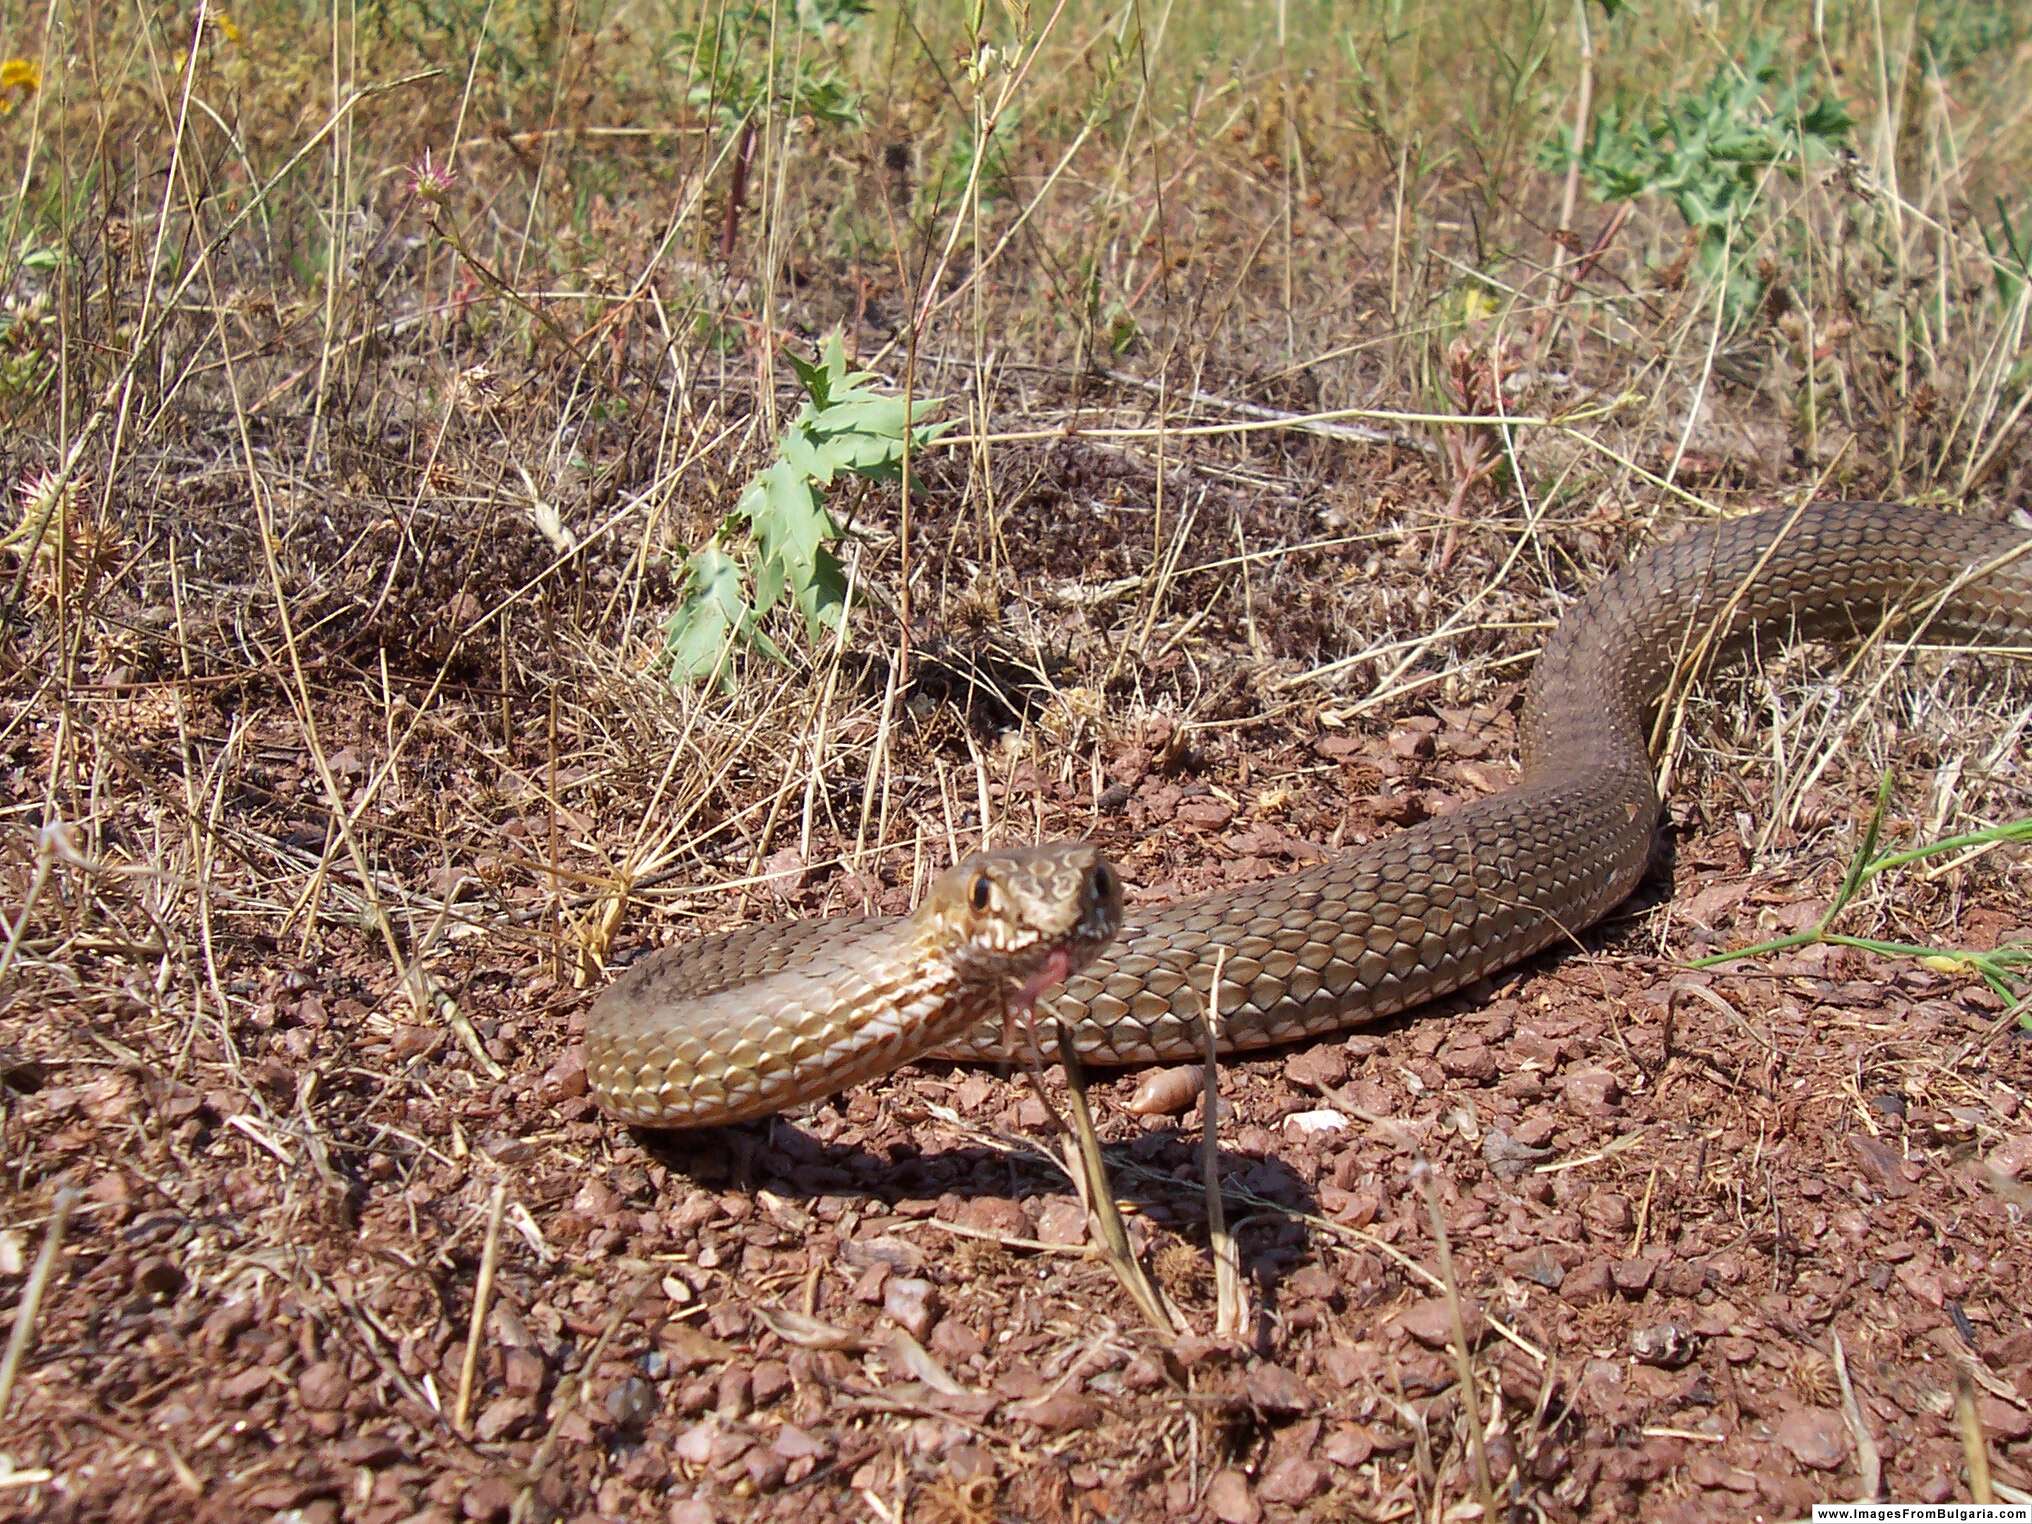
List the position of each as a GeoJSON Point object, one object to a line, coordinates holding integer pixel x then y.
{"type": "Point", "coordinates": [770, 576]}
{"type": "Point", "coordinates": [789, 523]}
{"type": "Point", "coordinates": [805, 454]}
{"type": "Point", "coordinates": [1708, 152]}
{"type": "Point", "coordinates": [877, 420]}
{"type": "Point", "coordinates": [713, 615]}
{"type": "Point", "coordinates": [813, 378]}
{"type": "Point", "coordinates": [846, 425]}
{"type": "Point", "coordinates": [823, 598]}
{"type": "Point", "coordinates": [827, 379]}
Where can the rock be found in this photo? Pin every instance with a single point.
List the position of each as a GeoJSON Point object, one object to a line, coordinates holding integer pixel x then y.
{"type": "Point", "coordinates": [1609, 1215]}
{"type": "Point", "coordinates": [158, 1278]}
{"type": "Point", "coordinates": [1509, 1159]}
{"type": "Point", "coordinates": [1593, 1092]}
{"type": "Point", "coordinates": [2003, 1420]}
{"type": "Point", "coordinates": [1815, 1436]}
{"type": "Point", "coordinates": [500, 1417]}
{"type": "Point", "coordinates": [1205, 814]}
{"type": "Point", "coordinates": [413, 1041]}
{"type": "Point", "coordinates": [1634, 1276]}
{"type": "Point", "coordinates": [1588, 1282]}
{"type": "Point", "coordinates": [1293, 1480]}
{"type": "Point", "coordinates": [1229, 1499]}
{"type": "Point", "coordinates": [1537, 1266]}
{"type": "Point", "coordinates": [1196, 1349]}
{"type": "Point", "coordinates": [322, 1387]}
{"type": "Point", "coordinates": [766, 1469]}
{"type": "Point", "coordinates": [1430, 1322]}
{"type": "Point", "coordinates": [1348, 1446]}
{"type": "Point", "coordinates": [1273, 1389]}
{"type": "Point", "coordinates": [793, 1443]}
{"type": "Point", "coordinates": [488, 1498]}
{"type": "Point", "coordinates": [1058, 1412]}
{"type": "Point", "coordinates": [1349, 1366]}
{"type": "Point", "coordinates": [954, 1340]}
{"type": "Point", "coordinates": [1063, 1221]}
{"type": "Point", "coordinates": [694, 1446]}
{"type": "Point", "coordinates": [994, 1214]}
{"type": "Point", "coordinates": [1666, 1345]}
{"type": "Point", "coordinates": [913, 1303]}
{"type": "Point", "coordinates": [1711, 1472]}
{"type": "Point", "coordinates": [734, 1392]}
{"type": "Point", "coordinates": [1319, 1067]}
{"type": "Point", "coordinates": [630, 1402]}
{"type": "Point", "coordinates": [1474, 1061]}
{"type": "Point", "coordinates": [771, 1381]}
{"type": "Point", "coordinates": [1313, 1123]}
{"type": "Point", "coordinates": [522, 1371]}
{"type": "Point", "coordinates": [565, 1080]}
{"type": "Point", "coordinates": [2013, 1157]}
{"type": "Point", "coordinates": [1885, 1166]}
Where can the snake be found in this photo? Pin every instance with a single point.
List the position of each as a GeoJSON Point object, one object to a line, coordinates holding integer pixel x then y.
{"type": "Point", "coordinates": [752, 1021]}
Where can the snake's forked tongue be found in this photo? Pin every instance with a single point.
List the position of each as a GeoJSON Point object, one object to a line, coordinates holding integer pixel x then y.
{"type": "Point", "coordinates": [1055, 969]}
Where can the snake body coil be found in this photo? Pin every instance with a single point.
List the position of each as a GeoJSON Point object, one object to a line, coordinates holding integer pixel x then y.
{"type": "Point", "coordinates": [1370, 932]}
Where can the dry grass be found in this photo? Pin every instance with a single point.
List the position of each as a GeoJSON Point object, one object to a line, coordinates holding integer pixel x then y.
{"type": "Point", "coordinates": [336, 761]}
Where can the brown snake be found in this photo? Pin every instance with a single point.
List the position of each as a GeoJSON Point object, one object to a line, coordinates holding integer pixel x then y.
{"type": "Point", "coordinates": [751, 1021]}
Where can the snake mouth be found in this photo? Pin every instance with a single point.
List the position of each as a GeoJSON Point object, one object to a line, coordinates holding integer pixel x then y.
{"type": "Point", "coordinates": [1055, 969]}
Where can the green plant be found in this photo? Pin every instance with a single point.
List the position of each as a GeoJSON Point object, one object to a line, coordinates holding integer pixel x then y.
{"type": "Point", "coordinates": [1709, 152]}
{"type": "Point", "coordinates": [1955, 37]}
{"type": "Point", "coordinates": [28, 343]}
{"type": "Point", "coordinates": [742, 69]}
{"type": "Point", "coordinates": [2007, 971]}
{"type": "Point", "coordinates": [2010, 255]}
{"type": "Point", "coordinates": [844, 428]}
{"type": "Point", "coordinates": [984, 144]}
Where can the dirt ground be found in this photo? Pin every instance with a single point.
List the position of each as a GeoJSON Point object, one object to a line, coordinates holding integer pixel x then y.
{"type": "Point", "coordinates": [1725, 1243]}
{"type": "Point", "coordinates": [338, 772]}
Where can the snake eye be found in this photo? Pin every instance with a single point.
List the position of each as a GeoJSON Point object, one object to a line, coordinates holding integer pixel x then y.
{"type": "Point", "coordinates": [1104, 881]}
{"type": "Point", "coordinates": [983, 892]}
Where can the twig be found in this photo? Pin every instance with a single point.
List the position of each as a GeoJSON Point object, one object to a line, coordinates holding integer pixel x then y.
{"type": "Point", "coordinates": [483, 1293]}
{"type": "Point", "coordinates": [51, 842]}
{"type": "Point", "coordinates": [31, 1294]}
{"type": "Point", "coordinates": [143, 344]}
{"type": "Point", "coordinates": [1101, 1196]}
{"type": "Point", "coordinates": [569, 1391]}
{"type": "Point", "coordinates": [1231, 1301]}
{"type": "Point", "coordinates": [1348, 433]}
{"type": "Point", "coordinates": [1869, 1462]}
{"type": "Point", "coordinates": [1972, 1447]}
{"type": "Point", "coordinates": [1464, 1365]}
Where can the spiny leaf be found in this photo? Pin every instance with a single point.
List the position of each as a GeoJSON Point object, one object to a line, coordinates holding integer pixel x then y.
{"type": "Point", "coordinates": [845, 427]}
{"type": "Point", "coordinates": [1709, 152]}
{"type": "Point", "coordinates": [714, 610]}
{"type": "Point", "coordinates": [823, 598]}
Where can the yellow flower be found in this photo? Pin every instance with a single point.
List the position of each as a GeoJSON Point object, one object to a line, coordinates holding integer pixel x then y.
{"type": "Point", "coordinates": [17, 77]}
{"type": "Point", "coordinates": [224, 24]}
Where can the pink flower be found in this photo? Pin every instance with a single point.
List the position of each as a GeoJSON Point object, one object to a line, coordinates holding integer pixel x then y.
{"type": "Point", "coordinates": [430, 181]}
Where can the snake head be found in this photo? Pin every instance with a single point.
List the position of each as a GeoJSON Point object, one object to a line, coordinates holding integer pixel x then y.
{"type": "Point", "coordinates": [1022, 918]}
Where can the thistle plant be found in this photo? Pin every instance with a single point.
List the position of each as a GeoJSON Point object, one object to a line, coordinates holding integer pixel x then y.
{"type": "Point", "coordinates": [1710, 153]}
{"type": "Point", "coordinates": [777, 544]}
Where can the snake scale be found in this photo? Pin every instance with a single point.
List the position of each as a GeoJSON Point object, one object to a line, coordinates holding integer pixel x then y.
{"type": "Point", "coordinates": [751, 1021]}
